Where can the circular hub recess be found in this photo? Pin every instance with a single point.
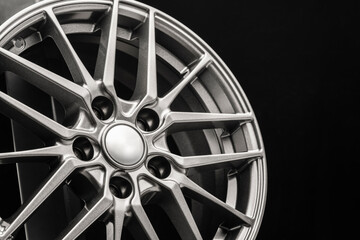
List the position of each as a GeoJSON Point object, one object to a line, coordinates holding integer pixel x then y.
{"type": "Point", "coordinates": [127, 124]}
{"type": "Point", "coordinates": [124, 145]}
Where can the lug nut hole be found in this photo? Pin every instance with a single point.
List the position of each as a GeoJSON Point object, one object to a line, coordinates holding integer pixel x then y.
{"type": "Point", "coordinates": [120, 187]}
{"type": "Point", "coordinates": [83, 149]}
{"type": "Point", "coordinates": [103, 108]}
{"type": "Point", "coordinates": [147, 120]}
{"type": "Point", "coordinates": [159, 167]}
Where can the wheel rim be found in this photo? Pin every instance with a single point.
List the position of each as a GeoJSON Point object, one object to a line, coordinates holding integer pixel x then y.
{"type": "Point", "coordinates": [193, 122]}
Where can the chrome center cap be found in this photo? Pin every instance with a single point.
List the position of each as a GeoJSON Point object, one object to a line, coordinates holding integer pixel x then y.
{"type": "Point", "coordinates": [124, 145]}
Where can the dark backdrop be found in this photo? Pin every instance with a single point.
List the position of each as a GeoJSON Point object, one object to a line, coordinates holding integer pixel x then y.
{"type": "Point", "coordinates": [298, 64]}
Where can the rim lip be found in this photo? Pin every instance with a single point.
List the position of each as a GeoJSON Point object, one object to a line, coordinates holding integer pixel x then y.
{"type": "Point", "coordinates": [252, 232]}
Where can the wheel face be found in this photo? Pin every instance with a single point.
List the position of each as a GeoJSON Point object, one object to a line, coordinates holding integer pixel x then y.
{"type": "Point", "coordinates": [140, 129]}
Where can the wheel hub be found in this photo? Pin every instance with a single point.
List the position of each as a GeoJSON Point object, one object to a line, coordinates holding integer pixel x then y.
{"type": "Point", "coordinates": [124, 145]}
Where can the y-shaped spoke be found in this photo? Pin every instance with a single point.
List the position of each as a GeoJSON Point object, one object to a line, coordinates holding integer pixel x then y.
{"type": "Point", "coordinates": [186, 121]}
{"type": "Point", "coordinates": [168, 99]}
{"type": "Point", "coordinates": [146, 83]}
{"type": "Point", "coordinates": [119, 216]}
{"type": "Point", "coordinates": [178, 211]}
{"type": "Point", "coordinates": [232, 216]}
{"type": "Point", "coordinates": [110, 230]}
{"type": "Point", "coordinates": [52, 183]}
{"type": "Point", "coordinates": [77, 69]}
{"type": "Point", "coordinates": [105, 64]}
{"type": "Point", "coordinates": [217, 161]}
{"type": "Point", "coordinates": [140, 213]}
{"type": "Point", "coordinates": [32, 155]}
{"type": "Point", "coordinates": [34, 120]}
{"type": "Point", "coordinates": [86, 217]}
{"type": "Point", "coordinates": [180, 214]}
{"type": "Point", "coordinates": [144, 220]}
{"type": "Point", "coordinates": [56, 86]}
{"type": "Point", "coordinates": [114, 228]}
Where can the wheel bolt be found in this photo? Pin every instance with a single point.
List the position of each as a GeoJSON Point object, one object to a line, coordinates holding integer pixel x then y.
{"type": "Point", "coordinates": [159, 167]}
{"type": "Point", "coordinates": [147, 120]}
{"type": "Point", "coordinates": [103, 108]}
{"type": "Point", "coordinates": [120, 187]}
{"type": "Point", "coordinates": [19, 43]}
{"type": "Point", "coordinates": [83, 149]}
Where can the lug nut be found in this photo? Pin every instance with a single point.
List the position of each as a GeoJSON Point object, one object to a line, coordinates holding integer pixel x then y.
{"type": "Point", "coordinates": [120, 187]}
{"type": "Point", "coordinates": [103, 108]}
{"type": "Point", "coordinates": [147, 120]}
{"type": "Point", "coordinates": [159, 167]}
{"type": "Point", "coordinates": [83, 149]}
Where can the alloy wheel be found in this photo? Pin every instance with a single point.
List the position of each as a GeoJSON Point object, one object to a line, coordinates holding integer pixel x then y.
{"type": "Point", "coordinates": [124, 125]}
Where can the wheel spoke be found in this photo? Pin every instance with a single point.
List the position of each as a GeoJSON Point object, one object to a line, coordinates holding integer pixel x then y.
{"type": "Point", "coordinates": [115, 227]}
{"type": "Point", "coordinates": [146, 84]}
{"type": "Point", "coordinates": [135, 195]}
{"type": "Point", "coordinates": [179, 212]}
{"type": "Point", "coordinates": [168, 99]}
{"type": "Point", "coordinates": [217, 161]}
{"type": "Point", "coordinates": [32, 119]}
{"type": "Point", "coordinates": [49, 186]}
{"type": "Point", "coordinates": [105, 64]}
{"type": "Point", "coordinates": [77, 69]}
{"type": "Point", "coordinates": [110, 232]}
{"type": "Point", "coordinates": [141, 215]}
{"type": "Point", "coordinates": [86, 217]}
{"type": "Point", "coordinates": [185, 121]}
{"type": "Point", "coordinates": [231, 215]}
{"type": "Point", "coordinates": [177, 209]}
{"type": "Point", "coordinates": [144, 221]}
{"type": "Point", "coordinates": [60, 88]}
{"type": "Point", "coordinates": [32, 155]}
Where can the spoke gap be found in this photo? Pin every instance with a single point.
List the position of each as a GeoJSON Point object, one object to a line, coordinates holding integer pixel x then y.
{"type": "Point", "coordinates": [30, 95]}
{"type": "Point", "coordinates": [86, 46]}
{"type": "Point", "coordinates": [161, 222]}
{"type": "Point", "coordinates": [61, 199]}
{"type": "Point", "coordinates": [126, 73]}
{"type": "Point", "coordinates": [96, 231]}
{"type": "Point", "coordinates": [189, 143]}
{"type": "Point", "coordinates": [48, 56]}
{"type": "Point", "coordinates": [206, 219]}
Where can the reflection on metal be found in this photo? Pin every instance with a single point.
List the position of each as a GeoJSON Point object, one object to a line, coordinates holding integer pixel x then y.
{"type": "Point", "coordinates": [136, 122]}
{"type": "Point", "coordinates": [124, 145]}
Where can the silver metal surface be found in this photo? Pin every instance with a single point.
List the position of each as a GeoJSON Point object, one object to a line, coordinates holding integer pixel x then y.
{"type": "Point", "coordinates": [201, 160]}
{"type": "Point", "coordinates": [124, 144]}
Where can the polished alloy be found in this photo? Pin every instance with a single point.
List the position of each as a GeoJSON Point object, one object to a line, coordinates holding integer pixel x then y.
{"type": "Point", "coordinates": [185, 139]}
{"type": "Point", "coordinates": [124, 145]}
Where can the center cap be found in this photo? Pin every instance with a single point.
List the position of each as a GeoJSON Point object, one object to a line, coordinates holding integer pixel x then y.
{"type": "Point", "coordinates": [124, 145]}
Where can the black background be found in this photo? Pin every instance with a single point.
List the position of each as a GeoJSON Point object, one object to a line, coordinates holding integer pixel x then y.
{"type": "Point", "coordinates": [297, 61]}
